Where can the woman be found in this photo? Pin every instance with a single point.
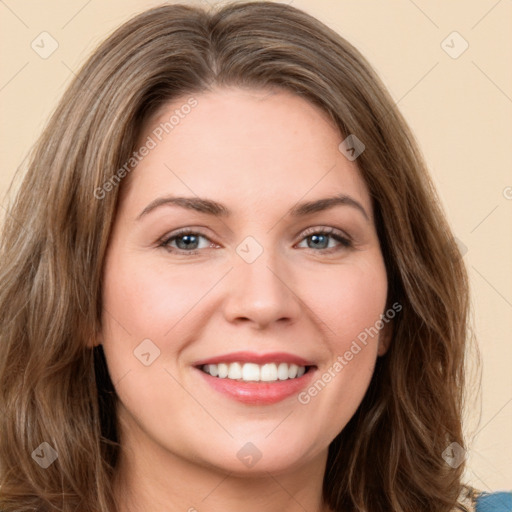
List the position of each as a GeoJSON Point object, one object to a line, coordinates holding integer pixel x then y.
{"type": "Point", "coordinates": [260, 370]}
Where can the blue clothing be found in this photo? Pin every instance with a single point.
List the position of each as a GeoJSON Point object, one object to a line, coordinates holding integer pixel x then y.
{"type": "Point", "coordinates": [494, 502]}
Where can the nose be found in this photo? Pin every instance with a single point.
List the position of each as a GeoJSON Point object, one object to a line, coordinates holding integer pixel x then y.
{"type": "Point", "coordinates": [261, 293]}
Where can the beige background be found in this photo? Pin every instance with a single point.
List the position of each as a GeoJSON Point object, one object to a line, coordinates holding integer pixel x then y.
{"type": "Point", "coordinates": [459, 108]}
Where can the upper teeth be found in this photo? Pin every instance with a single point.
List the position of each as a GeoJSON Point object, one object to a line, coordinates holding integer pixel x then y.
{"type": "Point", "coordinates": [255, 372]}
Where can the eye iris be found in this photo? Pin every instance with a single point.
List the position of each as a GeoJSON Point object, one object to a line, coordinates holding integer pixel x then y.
{"type": "Point", "coordinates": [188, 242]}
{"type": "Point", "coordinates": [315, 239]}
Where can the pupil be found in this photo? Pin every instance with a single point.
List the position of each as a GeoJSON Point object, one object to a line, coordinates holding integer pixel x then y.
{"type": "Point", "coordinates": [316, 237]}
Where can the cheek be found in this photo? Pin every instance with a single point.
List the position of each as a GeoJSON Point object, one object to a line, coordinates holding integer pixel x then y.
{"type": "Point", "coordinates": [347, 299]}
{"type": "Point", "coordinates": [148, 301]}
{"type": "Point", "coordinates": [348, 303]}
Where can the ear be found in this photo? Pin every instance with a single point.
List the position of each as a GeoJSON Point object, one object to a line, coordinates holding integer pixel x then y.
{"type": "Point", "coordinates": [385, 337]}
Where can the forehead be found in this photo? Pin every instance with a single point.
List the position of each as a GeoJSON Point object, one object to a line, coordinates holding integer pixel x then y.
{"type": "Point", "coordinates": [243, 147]}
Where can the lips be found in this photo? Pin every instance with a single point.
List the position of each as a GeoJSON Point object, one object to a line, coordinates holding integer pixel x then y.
{"type": "Point", "coordinates": [256, 392]}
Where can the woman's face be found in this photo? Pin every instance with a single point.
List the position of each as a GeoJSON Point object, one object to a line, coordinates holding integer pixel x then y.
{"type": "Point", "coordinates": [256, 281]}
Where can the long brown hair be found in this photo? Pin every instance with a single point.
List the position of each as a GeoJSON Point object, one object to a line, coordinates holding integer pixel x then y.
{"type": "Point", "coordinates": [55, 389]}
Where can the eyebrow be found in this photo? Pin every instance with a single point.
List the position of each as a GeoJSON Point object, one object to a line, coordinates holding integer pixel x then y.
{"type": "Point", "coordinates": [210, 207]}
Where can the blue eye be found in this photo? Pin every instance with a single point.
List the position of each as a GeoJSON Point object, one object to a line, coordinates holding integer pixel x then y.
{"type": "Point", "coordinates": [320, 238]}
{"type": "Point", "coordinates": [187, 241]}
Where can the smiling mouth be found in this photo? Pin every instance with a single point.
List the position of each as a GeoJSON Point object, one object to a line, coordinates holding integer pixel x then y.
{"type": "Point", "coordinates": [253, 372]}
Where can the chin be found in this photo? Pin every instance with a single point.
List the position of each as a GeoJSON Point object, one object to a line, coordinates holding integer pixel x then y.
{"type": "Point", "coordinates": [257, 458]}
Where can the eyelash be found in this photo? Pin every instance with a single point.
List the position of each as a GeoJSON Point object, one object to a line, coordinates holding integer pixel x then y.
{"type": "Point", "coordinates": [331, 232]}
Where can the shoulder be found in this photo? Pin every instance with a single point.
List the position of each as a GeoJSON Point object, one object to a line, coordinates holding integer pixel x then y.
{"type": "Point", "coordinates": [494, 502]}
{"type": "Point", "coordinates": [474, 500]}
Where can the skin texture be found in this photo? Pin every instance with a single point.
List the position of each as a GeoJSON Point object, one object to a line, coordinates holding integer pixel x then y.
{"type": "Point", "coordinates": [259, 153]}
